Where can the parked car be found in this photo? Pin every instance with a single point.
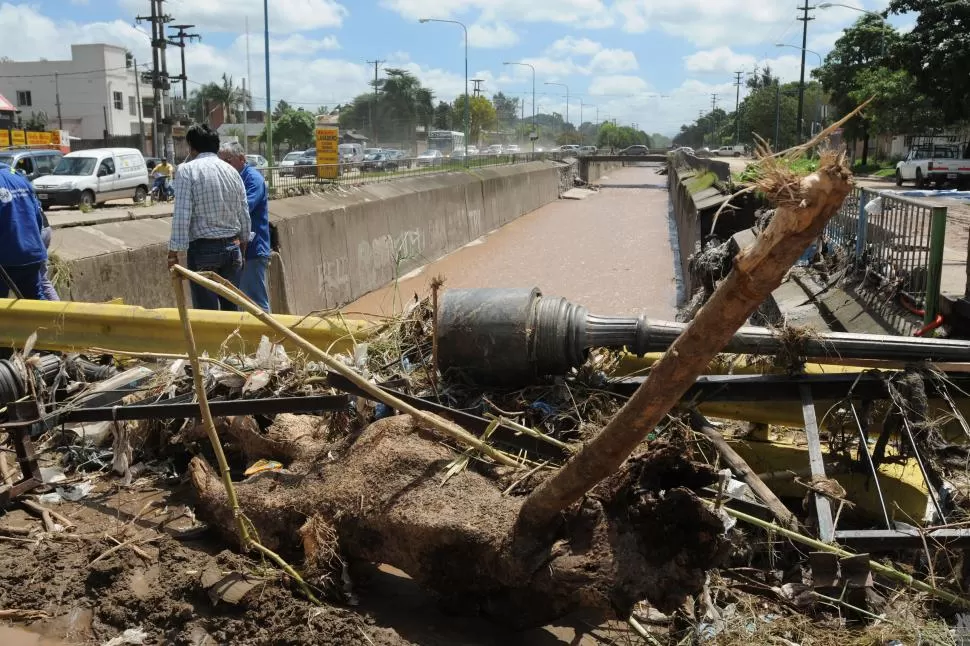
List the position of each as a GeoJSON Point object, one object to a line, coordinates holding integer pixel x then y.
{"type": "Point", "coordinates": [933, 164]}
{"type": "Point", "coordinates": [95, 176]}
{"type": "Point", "coordinates": [587, 150]}
{"type": "Point", "coordinates": [730, 151]}
{"type": "Point", "coordinates": [473, 151]}
{"type": "Point", "coordinates": [289, 160]}
{"type": "Point", "coordinates": [637, 149]}
{"type": "Point", "coordinates": [683, 149]}
{"type": "Point", "coordinates": [378, 162]}
{"type": "Point", "coordinates": [494, 150]}
{"type": "Point", "coordinates": [513, 149]}
{"type": "Point", "coordinates": [259, 163]}
{"type": "Point", "coordinates": [372, 151]}
{"type": "Point", "coordinates": [398, 156]}
{"type": "Point", "coordinates": [306, 164]}
{"type": "Point", "coordinates": [430, 158]}
{"type": "Point", "coordinates": [569, 149]}
{"type": "Point", "coordinates": [31, 163]}
{"type": "Point", "coordinates": [350, 153]}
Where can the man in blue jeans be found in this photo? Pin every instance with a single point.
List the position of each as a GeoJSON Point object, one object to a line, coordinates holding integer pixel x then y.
{"type": "Point", "coordinates": [253, 281]}
{"type": "Point", "coordinates": [23, 255]}
{"type": "Point", "coordinates": [211, 217]}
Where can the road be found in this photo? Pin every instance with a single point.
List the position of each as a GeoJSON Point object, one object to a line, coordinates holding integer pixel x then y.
{"type": "Point", "coordinates": [610, 252]}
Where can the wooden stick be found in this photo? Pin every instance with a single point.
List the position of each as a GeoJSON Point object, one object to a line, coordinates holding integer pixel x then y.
{"type": "Point", "coordinates": [757, 271]}
{"type": "Point", "coordinates": [743, 471]}
{"type": "Point", "coordinates": [43, 512]}
{"type": "Point", "coordinates": [207, 421]}
{"type": "Point", "coordinates": [875, 566]}
{"type": "Point", "coordinates": [450, 429]}
{"type": "Point", "coordinates": [40, 509]}
{"type": "Point", "coordinates": [6, 473]}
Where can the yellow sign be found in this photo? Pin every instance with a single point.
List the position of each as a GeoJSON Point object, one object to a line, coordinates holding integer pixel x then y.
{"type": "Point", "coordinates": [39, 138]}
{"type": "Point", "coordinates": [18, 138]}
{"type": "Point", "coordinates": [4, 138]}
{"type": "Point", "coordinates": [328, 158]}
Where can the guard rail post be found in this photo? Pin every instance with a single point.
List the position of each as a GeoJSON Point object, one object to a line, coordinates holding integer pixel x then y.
{"type": "Point", "coordinates": [934, 269]}
{"type": "Point", "coordinates": [861, 232]}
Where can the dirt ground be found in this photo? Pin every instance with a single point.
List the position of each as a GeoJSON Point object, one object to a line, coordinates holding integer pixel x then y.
{"type": "Point", "coordinates": [89, 590]}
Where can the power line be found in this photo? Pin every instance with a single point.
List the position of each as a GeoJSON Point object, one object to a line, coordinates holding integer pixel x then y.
{"type": "Point", "coordinates": [51, 75]}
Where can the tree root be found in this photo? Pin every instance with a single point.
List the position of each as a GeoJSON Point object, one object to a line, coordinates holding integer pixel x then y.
{"type": "Point", "coordinates": [639, 535]}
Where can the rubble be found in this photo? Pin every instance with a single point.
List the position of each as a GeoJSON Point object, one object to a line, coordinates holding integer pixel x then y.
{"type": "Point", "coordinates": [581, 491]}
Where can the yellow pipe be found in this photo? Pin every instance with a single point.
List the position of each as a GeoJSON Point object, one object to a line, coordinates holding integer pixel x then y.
{"type": "Point", "coordinates": [68, 326]}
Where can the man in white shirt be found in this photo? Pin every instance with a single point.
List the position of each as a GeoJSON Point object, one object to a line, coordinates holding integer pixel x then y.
{"type": "Point", "coordinates": [211, 217]}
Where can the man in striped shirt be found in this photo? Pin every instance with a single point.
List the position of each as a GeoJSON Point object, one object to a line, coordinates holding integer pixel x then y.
{"type": "Point", "coordinates": [211, 218]}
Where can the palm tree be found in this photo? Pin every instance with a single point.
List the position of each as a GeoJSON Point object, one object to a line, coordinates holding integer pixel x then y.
{"type": "Point", "coordinates": [230, 98]}
{"type": "Point", "coordinates": [404, 103]}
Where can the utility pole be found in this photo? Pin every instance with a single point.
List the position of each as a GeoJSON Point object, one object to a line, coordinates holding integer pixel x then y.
{"type": "Point", "coordinates": [373, 108]}
{"type": "Point", "coordinates": [160, 81]}
{"type": "Point", "coordinates": [269, 102]}
{"type": "Point", "coordinates": [141, 117]}
{"type": "Point", "coordinates": [478, 86]}
{"type": "Point", "coordinates": [714, 120]}
{"type": "Point", "coordinates": [700, 115]}
{"type": "Point", "coordinates": [737, 107]}
{"type": "Point", "coordinates": [179, 41]}
{"type": "Point", "coordinates": [248, 97]}
{"type": "Point", "coordinates": [57, 98]}
{"type": "Point", "coordinates": [804, 18]}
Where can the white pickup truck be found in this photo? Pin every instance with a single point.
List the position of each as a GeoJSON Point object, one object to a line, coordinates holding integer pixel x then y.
{"type": "Point", "coordinates": [937, 165]}
{"type": "Point", "coordinates": [731, 151]}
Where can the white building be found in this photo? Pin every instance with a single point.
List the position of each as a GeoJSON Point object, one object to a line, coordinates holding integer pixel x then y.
{"type": "Point", "coordinates": [96, 87]}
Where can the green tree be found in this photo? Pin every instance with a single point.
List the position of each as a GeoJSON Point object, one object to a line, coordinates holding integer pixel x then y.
{"type": "Point", "coordinates": [861, 47]}
{"type": "Point", "coordinates": [443, 116]}
{"type": "Point", "coordinates": [403, 105]}
{"type": "Point", "coordinates": [936, 53]}
{"type": "Point", "coordinates": [322, 110]}
{"type": "Point", "coordinates": [481, 114]}
{"type": "Point", "coordinates": [230, 98]}
{"type": "Point", "coordinates": [506, 109]}
{"type": "Point", "coordinates": [296, 128]}
{"type": "Point", "coordinates": [658, 140]}
{"type": "Point", "coordinates": [202, 101]}
{"type": "Point", "coordinates": [281, 108]}
{"type": "Point", "coordinates": [37, 122]}
{"type": "Point", "coordinates": [357, 114]}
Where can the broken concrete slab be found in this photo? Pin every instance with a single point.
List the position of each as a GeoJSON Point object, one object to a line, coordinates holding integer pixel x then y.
{"type": "Point", "coordinates": [577, 194]}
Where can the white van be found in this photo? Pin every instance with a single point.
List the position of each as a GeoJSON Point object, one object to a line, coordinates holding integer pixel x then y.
{"type": "Point", "coordinates": [350, 153]}
{"type": "Point", "coordinates": [93, 177]}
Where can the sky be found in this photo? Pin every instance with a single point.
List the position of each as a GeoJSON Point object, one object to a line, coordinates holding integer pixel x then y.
{"type": "Point", "coordinates": [655, 63]}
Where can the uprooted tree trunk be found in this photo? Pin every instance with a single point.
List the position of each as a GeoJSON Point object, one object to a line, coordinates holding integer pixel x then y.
{"type": "Point", "coordinates": [642, 534]}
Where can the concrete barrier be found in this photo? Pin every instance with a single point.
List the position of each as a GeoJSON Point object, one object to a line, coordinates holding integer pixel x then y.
{"type": "Point", "coordinates": [332, 248]}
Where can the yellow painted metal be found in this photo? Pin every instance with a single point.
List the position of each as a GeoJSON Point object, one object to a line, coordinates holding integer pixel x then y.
{"type": "Point", "coordinates": [67, 326]}
{"type": "Point", "coordinates": [901, 484]}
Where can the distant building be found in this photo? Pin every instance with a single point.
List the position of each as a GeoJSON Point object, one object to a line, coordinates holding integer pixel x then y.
{"type": "Point", "coordinates": [96, 87]}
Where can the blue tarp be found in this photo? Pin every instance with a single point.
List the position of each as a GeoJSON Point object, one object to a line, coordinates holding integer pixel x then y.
{"type": "Point", "coordinates": [951, 194]}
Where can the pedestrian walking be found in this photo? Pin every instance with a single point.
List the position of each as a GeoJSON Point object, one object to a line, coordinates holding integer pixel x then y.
{"type": "Point", "coordinates": [253, 281]}
{"type": "Point", "coordinates": [23, 255]}
{"type": "Point", "coordinates": [210, 221]}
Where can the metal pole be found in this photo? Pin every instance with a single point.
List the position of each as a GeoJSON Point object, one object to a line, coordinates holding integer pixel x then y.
{"type": "Point", "coordinates": [57, 98]}
{"type": "Point", "coordinates": [534, 133]}
{"type": "Point", "coordinates": [269, 112]}
{"type": "Point", "coordinates": [249, 82]}
{"type": "Point", "coordinates": [801, 81]}
{"type": "Point", "coordinates": [935, 269]}
{"type": "Point", "coordinates": [467, 98]}
{"type": "Point", "coordinates": [777, 115]}
{"type": "Point", "coordinates": [141, 118]}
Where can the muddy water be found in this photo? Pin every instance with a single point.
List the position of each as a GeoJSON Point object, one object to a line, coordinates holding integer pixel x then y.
{"type": "Point", "coordinates": [610, 252]}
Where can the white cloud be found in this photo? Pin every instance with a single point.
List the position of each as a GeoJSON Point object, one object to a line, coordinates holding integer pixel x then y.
{"type": "Point", "coordinates": [491, 35]}
{"type": "Point", "coordinates": [612, 61]}
{"type": "Point", "coordinates": [295, 45]}
{"type": "Point", "coordinates": [618, 85]}
{"type": "Point", "coordinates": [285, 16]}
{"type": "Point", "coordinates": [570, 46]}
{"type": "Point", "coordinates": [588, 14]}
{"type": "Point", "coordinates": [721, 60]}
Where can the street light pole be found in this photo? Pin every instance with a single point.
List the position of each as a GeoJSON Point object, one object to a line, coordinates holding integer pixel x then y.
{"type": "Point", "coordinates": [818, 97]}
{"type": "Point", "coordinates": [269, 102]}
{"type": "Point", "coordinates": [567, 96]}
{"type": "Point", "coordinates": [534, 133]}
{"type": "Point", "coordinates": [468, 99]}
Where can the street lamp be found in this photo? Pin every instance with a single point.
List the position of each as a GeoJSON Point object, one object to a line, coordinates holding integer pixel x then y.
{"type": "Point", "coordinates": [468, 99]}
{"type": "Point", "coordinates": [567, 96]}
{"type": "Point", "coordinates": [534, 134]}
{"type": "Point", "coordinates": [829, 5]}
{"type": "Point", "coordinates": [818, 97]}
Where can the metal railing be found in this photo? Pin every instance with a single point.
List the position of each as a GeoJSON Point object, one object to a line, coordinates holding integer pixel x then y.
{"type": "Point", "coordinates": [894, 245]}
{"type": "Point", "coordinates": [288, 180]}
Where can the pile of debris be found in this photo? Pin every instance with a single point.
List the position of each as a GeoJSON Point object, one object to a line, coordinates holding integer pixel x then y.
{"type": "Point", "coordinates": [504, 452]}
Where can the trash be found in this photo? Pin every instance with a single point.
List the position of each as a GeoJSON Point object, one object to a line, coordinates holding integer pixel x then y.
{"type": "Point", "coordinates": [257, 380]}
{"type": "Point", "coordinates": [263, 465]}
{"type": "Point", "coordinates": [50, 475]}
{"type": "Point", "coordinates": [230, 587]}
{"type": "Point", "coordinates": [133, 636]}
{"type": "Point", "coordinates": [271, 356]}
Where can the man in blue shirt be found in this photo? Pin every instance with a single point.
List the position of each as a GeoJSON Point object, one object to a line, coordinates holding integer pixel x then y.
{"type": "Point", "coordinates": [253, 280]}
{"type": "Point", "coordinates": [23, 255]}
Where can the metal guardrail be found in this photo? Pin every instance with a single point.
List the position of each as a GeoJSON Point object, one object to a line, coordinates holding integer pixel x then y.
{"type": "Point", "coordinates": [289, 179]}
{"type": "Point", "coordinates": [896, 247]}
